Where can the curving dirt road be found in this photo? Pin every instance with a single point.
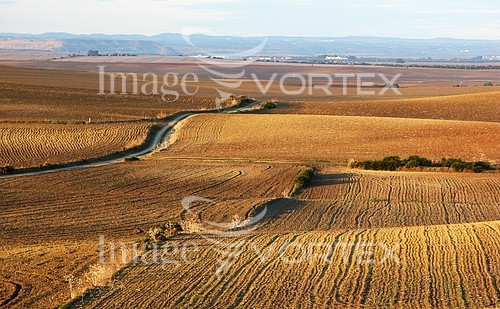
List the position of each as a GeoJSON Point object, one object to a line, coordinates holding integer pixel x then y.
{"type": "Point", "coordinates": [157, 136]}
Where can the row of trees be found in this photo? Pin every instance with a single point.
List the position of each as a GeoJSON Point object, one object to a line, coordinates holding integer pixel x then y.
{"type": "Point", "coordinates": [393, 163]}
{"type": "Point", "coordinates": [93, 53]}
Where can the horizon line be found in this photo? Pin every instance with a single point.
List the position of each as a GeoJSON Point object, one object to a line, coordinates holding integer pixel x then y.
{"type": "Point", "coordinates": [247, 36]}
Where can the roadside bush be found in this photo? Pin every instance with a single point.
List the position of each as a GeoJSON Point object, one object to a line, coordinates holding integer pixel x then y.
{"type": "Point", "coordinates": [245, 100]}
{"type": "Point", "coordinates": [304, 178]}
{"type": "Point", "coordinates": [161, 233]}
{"type": "Point", "coordinates": [6, 169]}
{"type": "Point", "coordinates": [269, 105]}
{"type": "Point", "coordinates": [132, 159]}
{"type": "Point", "coordinates": [488, 84]}
{"type": "Point", "coordinates": [170, 228]}
{"type": "Point", "coordinates": [234, 100]}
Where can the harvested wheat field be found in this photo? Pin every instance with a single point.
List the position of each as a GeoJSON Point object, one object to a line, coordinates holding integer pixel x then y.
{"type": "Point", "coordinates": [308, 250]}
{"type": "Point", "coordinates": [354, 199]}
{"type": "Point", "coordinates": [30, 145]}
{"type": "Point", "coordinates": [38, 275]}
{"type": "Point", "coordinates": [50, 224]}
{"type": "Point", "coordinates": [116, 199]}
{"type": "Point", "coordinates": [333, 138]}
{"type": "Point", "coordinates": [34, 103]}
{"type": "Point", "coordinates": [436, 266]}
{"type": "Point", "coordinates": [252, 237]}
{"type": "Point", "coordinates": [349, 240]}
{"type": "Point", "coordinates": [83, 76]}
{"type": "Point", "coordinates": [467, 107]}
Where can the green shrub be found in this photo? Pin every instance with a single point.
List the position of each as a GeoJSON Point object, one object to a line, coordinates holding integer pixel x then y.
{"type": "Point", "coordinates": [458, 166]}
{"type": "Point", "coordinates": [416, 161]}
{"type": "Point", "coordinates": [450, 161]}
{"type": "Point", "coordinates": [393, 163]}
{"type": "Point", "coordinates": [235, 101]}
{"type": "Point", "coordinates": [171, 226]}
{"type": "Point", "coordinates": [132, 159]}
{"type": "Point", "coordinates": [245, 100]}
{"type": "Point", "coordinates": [7, 169]}
{"type": "Point", "coordinates": [269, 105]}
{"type": "Point", "coordinates": [160, 234]}
{"type": "Point", "coordinates": [488, 84]}
{"type": "Point", "coordinates": [304, 178]}
{"type": "Point", "coordinates": [480, 166]}
{"type": "Point", "coordinates": [412, 164]}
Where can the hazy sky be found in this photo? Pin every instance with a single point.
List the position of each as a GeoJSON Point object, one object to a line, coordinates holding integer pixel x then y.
{"type": "Point", "coordinates": [394, 18]}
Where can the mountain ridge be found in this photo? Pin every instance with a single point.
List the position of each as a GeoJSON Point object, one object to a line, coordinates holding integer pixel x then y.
{"type": "Point", "coordinates": [175, 43]}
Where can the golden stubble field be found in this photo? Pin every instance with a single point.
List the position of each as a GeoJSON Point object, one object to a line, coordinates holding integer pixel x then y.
{"type": "Point", "coordinates": [449, 266]}
{"type": "Point", "coordinates": [32, 145]}
{"type": "Point", "coordinates": [49, 104]}
{"type": "Point", "coordinates": [84, 78]}
{"type": "Point", "coordinates": [333, 138]}
{"type": "Point", "coordinates": [442, 227]}
{"type": "Point", "coordinates": [50, 224]}
{"type": "Point", "coordinates": [351, 239]}
{"type": "Point", "coordinates": [466, 107]}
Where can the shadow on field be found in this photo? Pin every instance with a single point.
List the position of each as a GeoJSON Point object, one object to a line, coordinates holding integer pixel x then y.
{"type": "Point", "coordinates": [276, 208]}
{"type": "Point", "coordinates": [330, 179]}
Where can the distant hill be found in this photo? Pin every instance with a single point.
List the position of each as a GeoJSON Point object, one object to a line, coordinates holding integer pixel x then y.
{"type": "Point", "coordinates": [74, 45]}
{"type": "Point", "coordinates": [174, 44]}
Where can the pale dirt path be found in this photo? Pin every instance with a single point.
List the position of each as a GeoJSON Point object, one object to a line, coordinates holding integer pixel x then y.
{"type": "Point", "coordinates": [159, 138]}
